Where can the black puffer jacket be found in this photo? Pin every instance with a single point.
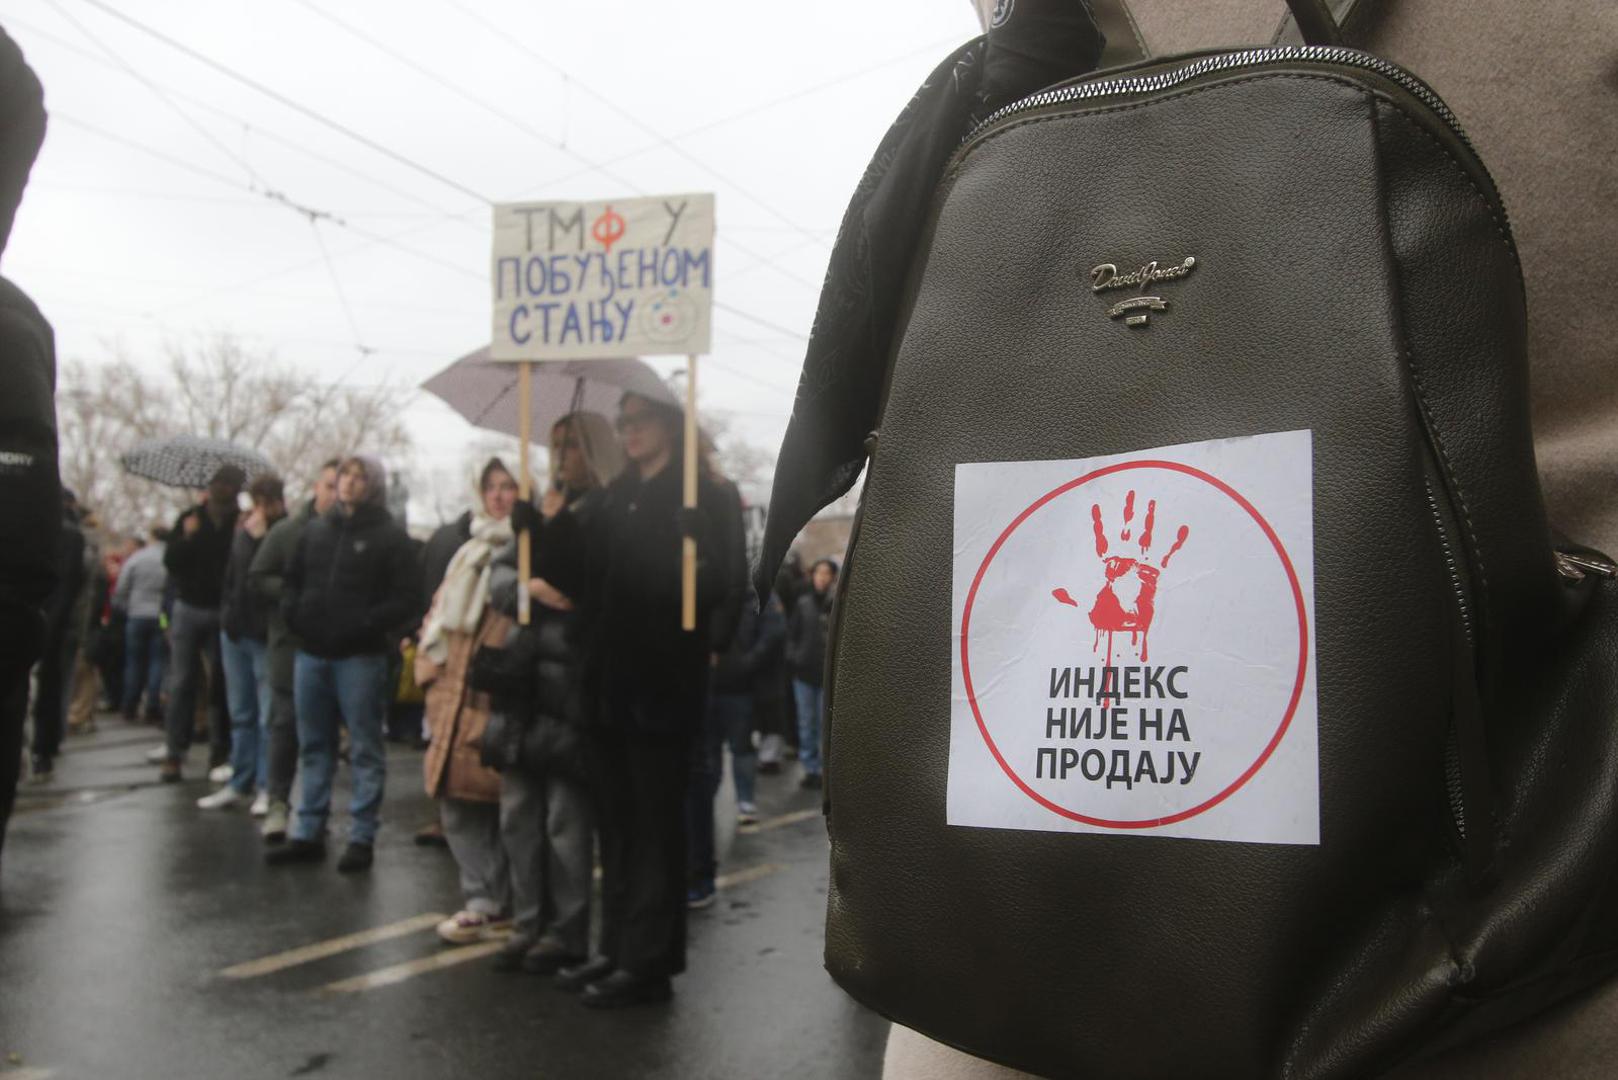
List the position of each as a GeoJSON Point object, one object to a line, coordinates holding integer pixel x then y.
{"type": "Point", "coordinates": [353, 586]}
{"type": "Point", "coordinates": [240, 613]}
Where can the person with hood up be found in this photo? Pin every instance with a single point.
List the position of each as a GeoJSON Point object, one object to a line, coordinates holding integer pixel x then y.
{"type": "Point", "coordinates": [350, 595]}
{"type": "Point", "coordinates": [649, 681]}
{"type": "Point", "coordinates": [806, 653]}
{"type": "Point", "coordinates": [244, 629]}
{"type": "Point", "coordinates": [266, 577]}
{"type": "Point", "coordinates": [458, 623]}
{"type": "Point", "coordinates": [548, 792]}
{"type": "Point", "coordinates": [198, 548]}
{"type": "Point", "coordinates": [30, 490]}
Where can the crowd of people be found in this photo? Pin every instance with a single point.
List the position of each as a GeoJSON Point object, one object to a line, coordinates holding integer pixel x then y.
{"type": "Point", "coordinates": [569, 721]}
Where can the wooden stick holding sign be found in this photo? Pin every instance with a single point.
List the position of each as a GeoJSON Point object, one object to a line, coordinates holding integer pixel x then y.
{"type": "Point", "coordinates": [688, 557]}
{"type": "Point", "coordinates": [525, 424]}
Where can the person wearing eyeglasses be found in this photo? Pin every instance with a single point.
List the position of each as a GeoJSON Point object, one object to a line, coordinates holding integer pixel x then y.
{"type": "Point", "coordinates": [647, 681]}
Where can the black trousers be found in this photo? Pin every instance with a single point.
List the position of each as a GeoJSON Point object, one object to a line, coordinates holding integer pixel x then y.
{"type": "Point", "coordinates": [643, 850]}
{"type": "Point", "coordinates": [54, 686]}
{"type": "Point", "coordinates": [13, 713]}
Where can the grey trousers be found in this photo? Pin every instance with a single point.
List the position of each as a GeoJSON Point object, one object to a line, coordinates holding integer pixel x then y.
{"type": "Point", "coordinates": [548, 826]}
{"type": "Point", "coordinates": [473, 830]}
{"type": "Point", "coordinates": [194, 635]}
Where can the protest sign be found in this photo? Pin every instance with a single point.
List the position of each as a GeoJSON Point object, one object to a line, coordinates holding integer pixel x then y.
{"type": "Point", "coordinates": [1133, 650]}
{"type": "Point", "coordinates": [620, 277]}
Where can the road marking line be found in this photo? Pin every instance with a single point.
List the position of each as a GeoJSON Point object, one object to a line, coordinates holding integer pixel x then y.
{"type": "Point", "coordinates": [319, 950]}
{"type": "Point", "coordinates": [30, 1073]}
{"type": "Point", "coordinates": [779, 822]}
{"type": "Point", "coordinates": [743, 877]}
{"type": "Point", "coordinates": [398, 973]}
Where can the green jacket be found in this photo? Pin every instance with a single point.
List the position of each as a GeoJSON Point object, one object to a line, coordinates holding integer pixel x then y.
{"type": "Point", "coordinates": [264, 580]}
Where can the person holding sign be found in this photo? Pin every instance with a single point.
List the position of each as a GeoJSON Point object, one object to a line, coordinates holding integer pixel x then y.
{"type": "Point", "coordinates": [648, 682]}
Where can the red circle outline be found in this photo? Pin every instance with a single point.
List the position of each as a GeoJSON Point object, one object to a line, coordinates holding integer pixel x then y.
{"type": "Point", "coordinates": [1297, 687]}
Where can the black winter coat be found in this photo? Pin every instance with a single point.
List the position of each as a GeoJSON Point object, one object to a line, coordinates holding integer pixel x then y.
{"type": "Point", "coordinates": [806, 636]}
{"type": "Point", "coordinates": [353, 586]}
{"type": "Point", "coordinates": [196, 563]}
{"type": "Point", "coordinates": [439, 550]}
{"type": "Point", "coordinates": [752, 665]}
{"type": "Point", "coordinates": [621, 567]}
{"type": "Point", "coordinates": [240, 613]}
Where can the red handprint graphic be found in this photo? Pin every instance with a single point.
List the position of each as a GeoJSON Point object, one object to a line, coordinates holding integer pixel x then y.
{"type": "Point", "coordinates": [1128, 597]}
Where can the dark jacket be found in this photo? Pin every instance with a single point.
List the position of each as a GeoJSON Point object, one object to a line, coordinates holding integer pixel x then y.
{"type": "Point", "coordinates": [439, 550]}
{"type": "Point", "coordinates": [266, 579]}
{"type": "Point", "coordinates": [352, 588]}
{"type": "Point", "coordinates": [30, 490]}
{"type": "Point", "coordinates": [806, 636]}
{"type": "Point", "coordinates": [196, 563]}
{"type": "Point", "coordinates": [751, 667]}
{"type": "Point", "coordinates": [241, 613]}
{"type": "Point", "coordinates": [621, 567]}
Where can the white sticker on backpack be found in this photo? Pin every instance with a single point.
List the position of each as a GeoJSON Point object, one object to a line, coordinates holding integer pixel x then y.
{"type": "Point", "coordinates": [1134, 644]}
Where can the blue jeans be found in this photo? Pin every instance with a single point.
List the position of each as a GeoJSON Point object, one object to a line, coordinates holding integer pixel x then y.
{"type": "Point", "coordinates": [143, 664]}
{"type": "Point", "coordinates": [247, 691]}
{"type": "Point", "coordinates": [811, 700]}
{"type": "Point", "coordinates": [326, 693]}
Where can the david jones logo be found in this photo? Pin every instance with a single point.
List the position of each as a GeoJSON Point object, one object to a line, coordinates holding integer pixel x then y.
{"type": "Point", "coordinates": [1137, 310]}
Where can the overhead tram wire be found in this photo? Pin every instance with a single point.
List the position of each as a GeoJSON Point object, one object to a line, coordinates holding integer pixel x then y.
{"type": "Point", "coordinates": [250, 127]}
{"type": "Point", "coordinates": [521, 125]}
{"type": "Point", "coordinates": [296, 106]}
{"type": "Point", "coordinates": [393, 155]}
{"type": "Point", "coordinates": [631, 117]}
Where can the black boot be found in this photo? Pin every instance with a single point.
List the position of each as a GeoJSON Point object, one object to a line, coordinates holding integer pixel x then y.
{"type": "Point", "coordinates": [574, 979]}
{"type": "Point", "coordinates": [622, 989]}
{"type": "Point", "coordinates": [296, 851]}
{"type": "Point", "coordinates": [356, 857]}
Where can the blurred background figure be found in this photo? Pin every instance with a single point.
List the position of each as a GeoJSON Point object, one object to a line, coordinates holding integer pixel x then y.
{"type": "Point", "coordinates": [244, 653]}
{"type": "Point", "coordinates": [198, 549]}
{"type": "Point", "coordinates": [806, 653]}
{"type": "Point", "coordinates": [142, 581]}
{"type": "Point", "coordinates": [267, 579]}
{"type": "Point", "coordinates": [60, 643]}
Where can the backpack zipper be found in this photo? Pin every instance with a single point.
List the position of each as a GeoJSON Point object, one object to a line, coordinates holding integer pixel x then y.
{"type": "Point", "coordinates": [1337, 56]}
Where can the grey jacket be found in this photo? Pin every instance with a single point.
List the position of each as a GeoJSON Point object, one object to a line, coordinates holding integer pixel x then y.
{"type": "Point", "coordinates": [141, 583]}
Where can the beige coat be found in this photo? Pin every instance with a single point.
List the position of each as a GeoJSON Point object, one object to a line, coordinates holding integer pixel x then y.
{"type": "Point", "coordinates": [1536, 87]}
{"type": "Point", "coordinates": [456, 717]}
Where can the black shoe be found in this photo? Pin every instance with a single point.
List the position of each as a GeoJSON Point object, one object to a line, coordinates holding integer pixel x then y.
{"type": "Point", "coordinates": [356, 857]}
{"type": "Point", "coordinates": [621, 989]}
{"type": "Point", "coordinates": [547, 958]}
{"type": "Point", "coordinates": [811, 781]}
{"type": "Point", "coordinates": [574, 979]}
{"type": "Point", "coordinates": [769, 768]}
{"type": "Point", "coordinates": [509, 958]}
{"type": "Point", "coordinates": [40, 769]}
{"type": "Point", "coordinates": [296, 851]}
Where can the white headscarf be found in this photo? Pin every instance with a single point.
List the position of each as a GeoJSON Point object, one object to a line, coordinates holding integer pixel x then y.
{"type": "Point", "coordinates": [459, 602]}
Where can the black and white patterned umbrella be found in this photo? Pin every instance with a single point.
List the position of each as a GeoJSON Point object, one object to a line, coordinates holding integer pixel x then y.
{"type": "Point", "coordinates": [190, 461]}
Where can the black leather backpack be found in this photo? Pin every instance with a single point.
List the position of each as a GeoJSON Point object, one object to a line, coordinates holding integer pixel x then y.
{"type": "Point", "coordinates": [1208, 694]}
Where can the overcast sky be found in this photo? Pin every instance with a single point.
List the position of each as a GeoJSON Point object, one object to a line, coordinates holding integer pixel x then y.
{"type": "Point", "coordinates": [146, 219]}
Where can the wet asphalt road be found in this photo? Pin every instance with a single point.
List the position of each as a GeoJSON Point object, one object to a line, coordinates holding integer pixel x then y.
{"type": "Point", "coordinates": [122, 905]}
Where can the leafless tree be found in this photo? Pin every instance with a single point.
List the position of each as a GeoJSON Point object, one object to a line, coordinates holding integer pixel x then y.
{"type": "Point", "coordinates": [218, 388]}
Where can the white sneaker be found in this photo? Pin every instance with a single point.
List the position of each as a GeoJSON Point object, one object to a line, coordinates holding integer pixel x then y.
{"type": "Point", "coordinates": [157, 754]}
{"type": "Point", "coordinates": [223, 799]}
{"type": "Point", "coordinates": [466, 927]}
{"type": "Point", "coordinates": [221, 774]}
{"type": "Point", "coordinates": [746, 814]}
{"type": "Point", "coordinates": [261, 804]}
